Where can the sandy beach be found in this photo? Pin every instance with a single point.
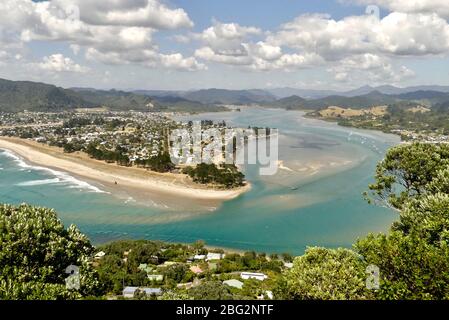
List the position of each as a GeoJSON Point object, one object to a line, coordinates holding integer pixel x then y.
{"type": "Point", "coordinates": [115, 178]}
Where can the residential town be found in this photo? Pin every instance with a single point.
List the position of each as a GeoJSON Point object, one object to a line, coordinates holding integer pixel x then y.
{"type": "Point", "coordinates": [154, 270]}
{"type": "Point", "coordinates": [141, 139]}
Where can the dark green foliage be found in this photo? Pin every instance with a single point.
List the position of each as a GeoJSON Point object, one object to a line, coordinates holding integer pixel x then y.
{"type": "Point", "coordinates": [179, 273]}
{"type": "Point", "coordinates": [225, 175]}
{"type": "Point", "coordinates": [211, 290]}
{"type": "Point", "coordinates": [109, 156]}
{"type": "Point", "coordinates": [17, 96]}
{"type": "Point", "coordinates": [35, 251]}
{"type": "Point", "coordinates": [406, 172]}
{"type": "Point", "coordinates": [326, 274]}
{"type": "Point", "coordinates": [410, 268]}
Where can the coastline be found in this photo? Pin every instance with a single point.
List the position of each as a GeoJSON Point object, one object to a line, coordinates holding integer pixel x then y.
{"type": "Point", "coordinates": [114, 178]}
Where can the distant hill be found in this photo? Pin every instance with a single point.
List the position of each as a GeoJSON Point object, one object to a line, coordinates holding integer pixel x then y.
{"type": "Point", "coordinates": [290, 103]}
{"type": "Point", "coordinates": [16, 96]}
{"type": "Point", "coordinates": [281, 93]}
{"type": "Point", "coordinates": [117, 100]}
{"type": "Point", "coordinates": [222, 96]}
{"type": "Point", "coordinates": [386, 89]}
{"type": "Point", "coordinates": [160, 93]}
{"type": "Point", "coordinates": [371, 99]}
{"type": "Point", "coordinates": [34, 96]}
{"type": "Point", "coordinates": [178, 104]}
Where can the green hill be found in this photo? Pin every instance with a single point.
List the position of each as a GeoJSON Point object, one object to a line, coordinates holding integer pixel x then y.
{"type": "Point", "coordinates": [25, 95]}
{"type": "Point", "coordinates": [237, 97]}
{"type": "Point", "coordinates": [117, 100]}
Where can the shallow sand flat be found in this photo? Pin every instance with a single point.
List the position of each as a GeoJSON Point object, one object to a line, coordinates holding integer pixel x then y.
{"type": "Point", "coordinates": [132, 180]}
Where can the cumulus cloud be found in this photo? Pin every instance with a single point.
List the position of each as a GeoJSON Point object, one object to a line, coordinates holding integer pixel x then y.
{"type": "Point", "coordinates": [208, 54]}
{"type": "Point", "coordinates": [133, 13]}
{"type": "Point", "coordinates": [59, 63]}
{"type": "Point", "coordinates": [441, 7]}
{"type": "Point", "coordinates": [177, 61]}
{"type": "Point", "coordinates": [124, 32]}
{"type": "Point", "coordinates": [226, 38]}
{"type": "Point", "coordinates": [370, 67]}
{"type": "Point", "coordinates": [397, 34]}
{"type": "Point", "coordinates": [115, 32]}
{"type": "Point", "coordinates": [232, 44]}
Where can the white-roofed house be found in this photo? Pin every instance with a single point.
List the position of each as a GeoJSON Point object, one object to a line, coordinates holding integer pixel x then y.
{"type": "Point", "coordinates": [199, 257]}
{"type": "Point", "coordinates": [128, 292]}
{"type": "Point", "coordinates": [253, 275]}
{"type": "Point", "coordinates": [214, 256]}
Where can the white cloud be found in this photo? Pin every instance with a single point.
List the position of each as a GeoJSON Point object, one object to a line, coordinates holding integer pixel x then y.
{"type": "Point", "coordinates": [59, 63]}
{"type": "Point", "coordinates": [177, 61]}
{"type": "Point", "coordinates": [441, 7]}
{"type": "Point", "coordinates": [370, 67]}
{"type": "Point", "coordinates": [114, 32]}
{"type": "Point", "coordinates": [231, 43]}
{"type": "Point", "coordinates": [226, 38]}
{"type": "Point", "coordinates": [264, 51]}
{"type": "Point", "coordinates": [396, 34]}
{"type": "Point", "coordinates": [132, 13]}
{"type": "Point", "coordinates": [206, 53]}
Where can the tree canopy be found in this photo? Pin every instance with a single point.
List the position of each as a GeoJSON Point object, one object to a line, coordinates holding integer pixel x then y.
{"type": "Point", "coordinates": [35, 251]}
{"type": "Point", "coordinates": [407, 171]}
{"type": "Point", "coordinates": [327, 274]}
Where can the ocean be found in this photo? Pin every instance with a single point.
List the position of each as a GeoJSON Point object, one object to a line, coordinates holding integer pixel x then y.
{"type": "Point", "coordinates": [314, 200]}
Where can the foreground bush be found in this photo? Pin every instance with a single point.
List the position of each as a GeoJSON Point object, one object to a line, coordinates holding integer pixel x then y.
{"type": "Point", "coordinates": [35, 251]}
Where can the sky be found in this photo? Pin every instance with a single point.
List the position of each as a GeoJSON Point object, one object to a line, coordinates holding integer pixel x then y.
{"type": "Point", "coordinates": [245, 44]}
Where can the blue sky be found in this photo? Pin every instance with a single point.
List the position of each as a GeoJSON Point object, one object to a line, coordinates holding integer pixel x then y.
{"type": "Point", "coordinates": [185, 44]}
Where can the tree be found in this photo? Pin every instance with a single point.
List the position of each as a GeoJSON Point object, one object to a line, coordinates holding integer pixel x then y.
{"type": "Point", "coordinates": [35, 250]}
{"type": "Point", "coordinates": [410, 267]}
{"type": "Point", "coordinates": [211, 290]}
{"type": "Point", "coordinates": [323, 274]}
{"type": "Point", "coordinates": [178, 273]}
{"type": "Point", "coordinates": [426, 218]}
{"type": "Point", "coordinates": [440, 182]}
{"type": "Point", "coordinates": [407, 171]}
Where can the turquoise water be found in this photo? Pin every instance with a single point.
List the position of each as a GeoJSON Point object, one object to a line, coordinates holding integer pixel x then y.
{"type": "Point", "coordinates": [316, 200]}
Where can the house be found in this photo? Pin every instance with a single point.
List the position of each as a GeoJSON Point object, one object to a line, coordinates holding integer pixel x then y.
{"type": "Point", "coordinates": [252, 275]}
{"type": "Point", "coordinates": [234, 283]}
{"type": "Point", "coordinates": [214, 256]}
{"type": "Point", "coordinates": [288, 265]}
{"type": "Point", "coordinates": [129, 292]}
{"type": "Point", "coordinates": [199, 257]}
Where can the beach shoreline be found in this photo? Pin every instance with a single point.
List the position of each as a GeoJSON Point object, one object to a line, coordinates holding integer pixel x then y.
{"type": "Point", "coordinates": [114, 178]}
